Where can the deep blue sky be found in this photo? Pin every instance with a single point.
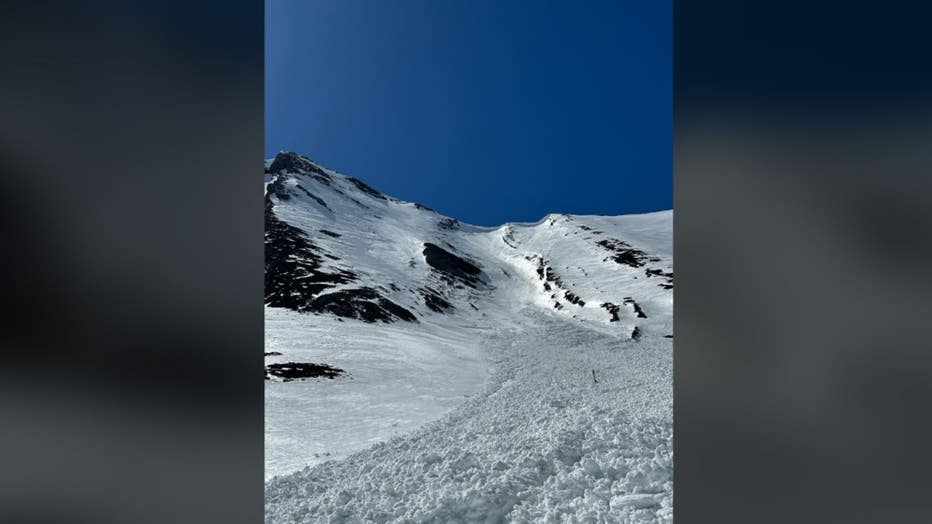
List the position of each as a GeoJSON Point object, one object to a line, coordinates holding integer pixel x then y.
{"type": "Point", "coordinates": [487, 111]}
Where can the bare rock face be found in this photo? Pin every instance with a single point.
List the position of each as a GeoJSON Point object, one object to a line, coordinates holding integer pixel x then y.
{"type": "Point", "coordinates": [434, 300]}
{"type": "Point", "coordinates": [288, 162]}
{"type": "Point", "coordinates": [293, 263]}
{"type": "Point", "coordinates": [364, 304]}
{"type": "Point", "coordinates": [362, 186]}
{"type": "Point", "coordinates": [452, 267]}
{"type": "Point", "coordinates": [623, 253]}
{"type": "Point", "coordinates": [288, 371]}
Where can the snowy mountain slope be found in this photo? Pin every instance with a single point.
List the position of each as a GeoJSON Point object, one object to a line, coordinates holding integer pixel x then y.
{"type": "Point", "coordinates": [515, 335]}
{"type": "Point", "coordinates": [335, 245]}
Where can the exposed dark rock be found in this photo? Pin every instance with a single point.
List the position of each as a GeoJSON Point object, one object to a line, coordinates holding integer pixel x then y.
{"type": "Point", "coordinates": [509, 239]}
{"type": "Point", "coordinates": [362, 186]}
{"type": "Point", "coordinates": [289, 162]}
{"type": "Point", "coordinates": [289, 371]}
{"type": "Point", "coordinates": [362, 304]}
{"type": "Point", "coordinates": [668, 336]}
{"type": "Point", "coordinates": [451, 266]}
{"type": "Point", "coordinates": [293, 273]}
{"type": "Point", "coordinates": [668, 284]}
{"type": "Point", "coordinates": [449, 224]}
{"type": "Point", "coordinates": [573, 298]}
{"type": "Point", "coordinates": [636, 333]}
{"type": "Point", "coordinates": [344, 195]}
{"type": "Point", "coordinates": [272, 353]}
{"type": "Point", "coordinates": [424, 208]}
{"type": "Point", "coordinates": [278, 189]}
{"type": "Point", "coordinates": [434, 300]}
{"type": "Point", "coordinates": [636, 306]}
{"type": "Point", "coordinates": [330, 233]}
{"type": "Point", "coordinates": [552, 276]}
{"type": "Point", "coordinates": [613, 309]}
{"type": "Point", "coordinates": [294, 278]}
{"type": "Point", "coordinates": [549, 276]}
{"type": "Point", "coordinates": [314, 197]}
{"type": "Point", "coordinates": [557, 305]}
{"type": "Point", "coordinates": [323, 178]}
{"type": "Point", "coordinates": [623, 253]}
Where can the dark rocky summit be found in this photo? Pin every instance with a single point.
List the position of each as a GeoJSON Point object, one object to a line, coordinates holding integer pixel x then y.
{"type": "Point", "coordinates": [288, 162]}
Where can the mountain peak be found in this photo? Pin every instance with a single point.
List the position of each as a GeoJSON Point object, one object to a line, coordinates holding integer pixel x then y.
{"type": "Point", "coordinates": [291, 162]}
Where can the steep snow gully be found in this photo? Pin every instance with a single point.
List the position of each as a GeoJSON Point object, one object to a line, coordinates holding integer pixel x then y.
{"type": "Point", "coordinates": [513, 374]}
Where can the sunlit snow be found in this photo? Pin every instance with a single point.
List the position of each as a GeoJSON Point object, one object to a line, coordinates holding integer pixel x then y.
{"type": "Point", "coordinates": [524, 402]}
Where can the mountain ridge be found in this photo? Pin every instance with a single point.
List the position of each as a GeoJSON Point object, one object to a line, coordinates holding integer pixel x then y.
{"type": "Point", "coordinates": [313, 214]}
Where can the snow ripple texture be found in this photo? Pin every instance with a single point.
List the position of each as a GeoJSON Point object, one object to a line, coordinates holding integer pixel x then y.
{"type": "Point", "coordinates": [573, 426]}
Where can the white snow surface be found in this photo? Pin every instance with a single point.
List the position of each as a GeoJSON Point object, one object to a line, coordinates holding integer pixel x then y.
{"type": "Point", "coordinates": [503, 409]}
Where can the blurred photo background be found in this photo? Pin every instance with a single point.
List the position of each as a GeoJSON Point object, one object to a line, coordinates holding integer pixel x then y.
{"type": "Point", "coordinates": [131, 272]}
{"type": "Point", "coordinates": [802, 237]}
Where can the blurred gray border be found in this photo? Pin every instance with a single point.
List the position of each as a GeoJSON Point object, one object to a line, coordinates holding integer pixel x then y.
{"type": "Point", "coordinates": [803, 367]}
{"type": "Point", "coordinates": [131, 146]}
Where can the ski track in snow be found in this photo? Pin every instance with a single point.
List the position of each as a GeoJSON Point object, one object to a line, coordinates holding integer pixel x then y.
{"type": "Point", "coordinates": [542, 443]}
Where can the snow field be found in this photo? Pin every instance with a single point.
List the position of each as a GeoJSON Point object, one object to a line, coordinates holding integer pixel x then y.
{"type": "Point", "coordinates": [542, 443]}
{"type": "Point", "coordinates": [399, 377]}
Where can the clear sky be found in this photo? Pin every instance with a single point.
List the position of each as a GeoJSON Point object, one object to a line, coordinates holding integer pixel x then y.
{"type": "Point", "coordinates": [487, 111]}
